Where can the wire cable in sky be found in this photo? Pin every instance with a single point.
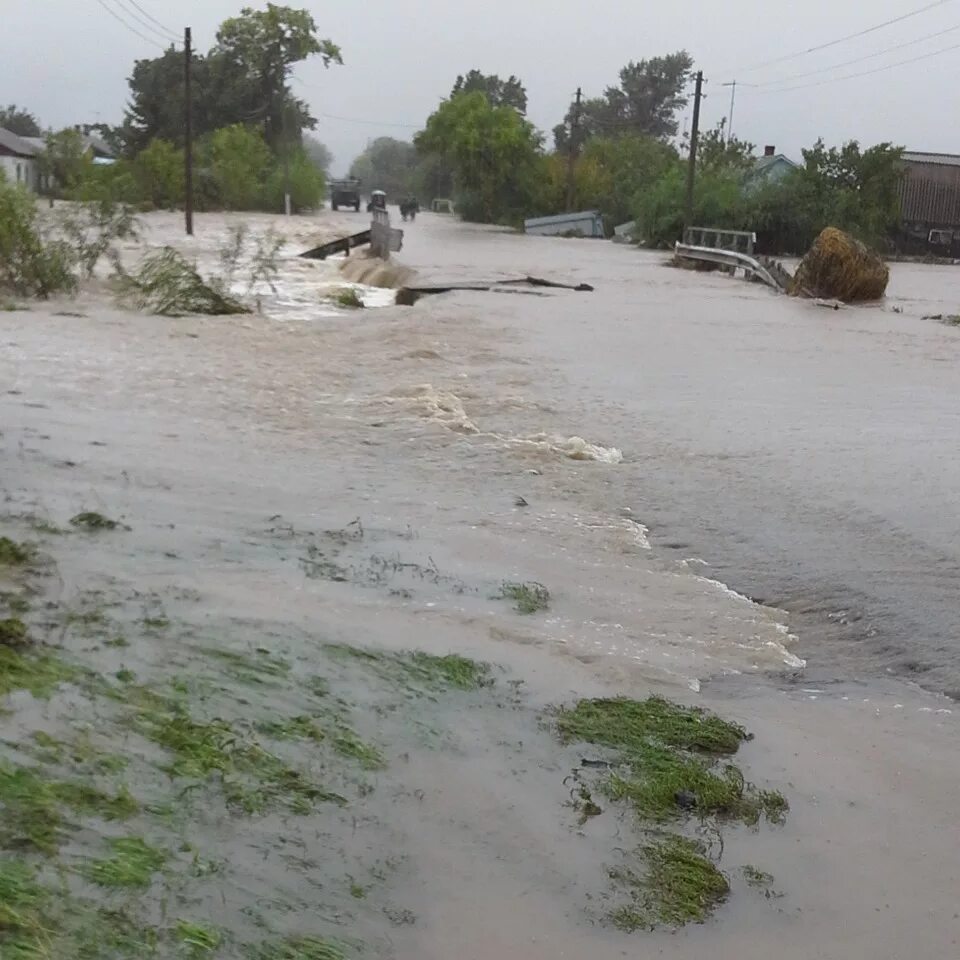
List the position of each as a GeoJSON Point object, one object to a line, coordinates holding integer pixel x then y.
{"type": "Point", "coordinates": [116, 16]}
{"type": "Point", "coordinates": [371, 123]}
{"type": "Point", "coordinates": [133, 9]}
{"type": "Point", "coordinates": [845, 39]}
{"type": "Point", "coordinates": [866, 73]}
{"type": "Point", "coordinates": [850, 63]}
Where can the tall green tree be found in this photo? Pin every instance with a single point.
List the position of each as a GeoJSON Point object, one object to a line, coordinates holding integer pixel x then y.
{"type": "Point", "coordinates": [646, 102]}
{"type": "Point", "coordinates": [19, 121]}
{"type": "Point", "coordinates": [494, 153]}
{"type": "Point", "coordinates": [318, 153]}
{"type": "Point", "coordinates": [387, 164]}
{"type": "Point", "coordinates": [244, 79]}
{"type": "Point", "coordinates": [501, 93]}
{"type": "Point", "coordinates": [239, 162]}
{"type": "Point", "coordinates": [259, 49]}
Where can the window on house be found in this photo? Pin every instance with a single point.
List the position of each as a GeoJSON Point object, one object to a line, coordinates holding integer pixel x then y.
{"type": "Point", "coordinates": [19, 173]}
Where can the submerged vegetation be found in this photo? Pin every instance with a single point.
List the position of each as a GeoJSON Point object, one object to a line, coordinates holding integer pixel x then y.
{"type": "Point", "coordinates": [669, 763]}
{"type": "Point", "coordinates": [680, 885]}
{"type": "Point", "coordinates": [167, 284]}
{"type": "Point", "coordinates": [13, 554]}
{"type": "Point", "coordinates": [529, 598]}
{"type": "Point", "coordinates": [418, 670]}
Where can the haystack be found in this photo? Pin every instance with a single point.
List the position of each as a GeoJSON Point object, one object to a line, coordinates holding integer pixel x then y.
{"type": "Point", "coordinates": [838, 267]}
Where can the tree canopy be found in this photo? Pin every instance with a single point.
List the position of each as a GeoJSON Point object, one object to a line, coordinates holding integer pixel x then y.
{"type": "Point", "coordinates": [243, 79]}
{"type": "Point", "coordinates": [647, 101]}
{"type": "Point", "coordinates": [387, 164]}
{"type": "Point", "coordinates": [501, 93]}
{"type": "Point", "coordinates": [19, 121]}
{"type": "Point", "coordinates": [494, 154]}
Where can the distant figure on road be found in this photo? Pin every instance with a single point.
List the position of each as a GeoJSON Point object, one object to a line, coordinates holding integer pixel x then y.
{"type": "Point", "coordinates": [409, 208]}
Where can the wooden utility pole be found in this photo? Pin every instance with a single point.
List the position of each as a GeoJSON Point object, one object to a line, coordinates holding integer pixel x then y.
{"type": "Point", "coordinates": [574, 147]}
{"type": "Point", "coordinates": [188, 127]}
{"type": "Point", "coordinates": [694, 141]}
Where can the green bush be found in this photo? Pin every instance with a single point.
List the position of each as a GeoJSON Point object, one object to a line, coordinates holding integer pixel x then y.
{"type": "Point", "coordinates": [32, 263]}
{"type": "Point", "coordinates": [307, 185]}
{"type": "Point", "coordinates": [239, 161]}
{"type": "Point", "coordinates": [159, 171]}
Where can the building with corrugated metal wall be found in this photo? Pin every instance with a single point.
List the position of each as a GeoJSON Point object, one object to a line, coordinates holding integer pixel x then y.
{"type": "Point", "coordinates": [930, 198]}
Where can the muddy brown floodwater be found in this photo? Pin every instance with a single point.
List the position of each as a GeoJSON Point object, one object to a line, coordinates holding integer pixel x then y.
{"type": "Point", "coordinates": [678, 441]}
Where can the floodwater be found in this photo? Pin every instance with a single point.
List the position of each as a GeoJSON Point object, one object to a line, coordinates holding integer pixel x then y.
{"type": "Point", "coordinates": [679, 441]}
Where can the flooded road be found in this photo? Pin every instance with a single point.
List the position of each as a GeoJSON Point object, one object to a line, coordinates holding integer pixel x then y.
{"type": "Point", "coordinates": [808, 455]}
{"type": "Point", "coordinates": [306, 477]}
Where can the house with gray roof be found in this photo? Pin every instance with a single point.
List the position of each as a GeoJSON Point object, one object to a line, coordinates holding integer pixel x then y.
{"type": "Point", "coordinates": [18, 160]}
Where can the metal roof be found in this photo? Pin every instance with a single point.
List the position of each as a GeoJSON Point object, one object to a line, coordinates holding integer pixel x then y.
{"type": "Point", "coordinates": [17, 145]}
{"type": "Point", "coordinates": [937, 159]}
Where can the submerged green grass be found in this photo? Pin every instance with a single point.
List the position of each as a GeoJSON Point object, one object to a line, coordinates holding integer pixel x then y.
{"type": "Point", "coordinates": [196, 940]}
{"type": "Point", "coordinates": [346, 742]}
{"type": "Point", "coordinates": [528, 598]}
{"type": "Point", "coordinates": [23, 905]}
{"type": "Point", "coordinates": [132, 865]}
{"type": "Point", "coordinates": [34, 670]}
{"type": "Point", "coordinates": [416, 669]}
{"type": "Point", "coordinates": [297, 948]}
{"type": "Point", "coordinates": [254, 779]}
{"type": "Point", "coordinates": [91, 520]}
{"type": "Point", "coordinates": [13, 554]}
{"type": "Point", "coordinates": [680, 885]}
{"type": "Point", "coordinates": [31, 808]}
{"type": "Point", "coordinates": [632, 725]}
{"type": "Point", "coordinates": [13, 633]}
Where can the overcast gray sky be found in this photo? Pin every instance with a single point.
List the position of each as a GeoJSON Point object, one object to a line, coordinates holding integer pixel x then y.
{"type": "Point", "coordinates": [68, 60]}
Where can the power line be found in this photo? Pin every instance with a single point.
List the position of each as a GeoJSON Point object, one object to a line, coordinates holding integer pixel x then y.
{"type": "Point", "coordinates": [116, 16]}
{"type": "Point", "coordinates": [867, 73]}
{"type": "Point", "coordinates": [845, 39]}
{"type": "Point", "coordinates": [869, 56]}
{"type": "Point", "coordinates": [151, 17]}
{"type": "Point", "coordinates": [132, 9]}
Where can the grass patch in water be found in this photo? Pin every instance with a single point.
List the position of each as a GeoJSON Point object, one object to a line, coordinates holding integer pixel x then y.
{"type": "Point", "coordinates": [528, 598]}
{"type": "Point", "coordinates": [298, 948]}
{"type": "Point", "coordinates": [79, 751]}
{"type": "Point", "coordinates": [196, 940]}
{"type": "Point", "coordinates": [132, 865]}
{"type": "Point", "coordinates": [93, 521]}
{"type": "Point", "coordinates": [31, 807]}
{"type": "Point", "coordinates": [13, 633]}
{"type": "Point", "coordinates": [756, 877]}
{"type": "Point", "coordinates": [417, 669]}
{"type": "Point", "coordinates": [254, 669]}
{"type": "Point", "coordinates": [632, 724]}
{"type": "Point", "coordinates": [348, 298]}
{"type": "Point", "coordinates": [13, 554]}
{"type": "Point", "coordinates": [681, 885]}
{"type": "Point", "coordinates": [16, 603]}
{"type": "Point", "coordinates": [38, 672]}
{"type": "Point", "coordinates": [343, 740]}
{"type": "Point", "coordinates": [23, 908]}
{"type": "Point", "coordinates": [254, 779]}
{"type": "Point", "coordinates": [667, 755]}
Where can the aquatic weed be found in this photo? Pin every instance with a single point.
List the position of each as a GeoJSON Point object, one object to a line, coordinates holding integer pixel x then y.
{"type": "Point", "coordinates": [425, 670]}
{"type": "Point", "coordinates": [36, 671]}
{"type": "Point", "coordinates": [681, 885]}
{"type": "Point", "coordinates": [632, 724]}
{"type": "Point", "coordinates": [13, 554]}
{"type": "Point", "coordinates": [756, 877]}
{"type": "Point", "coordinates": [23, 907]}
{"type": "Point", "coordinates": [259, 668]}
{"type": "Point", "coordinates": [196, 940]}
{"type": "Point", "coordinates": [297, 948]}
{"type": "Point", "coordinates": [91, 520]}
{"type": "Point", "coordinates": [529, 597]}
{"type": "Point", "coordinates": [132, 865]}
{"type": "Point", "coordinates": [13, 633]}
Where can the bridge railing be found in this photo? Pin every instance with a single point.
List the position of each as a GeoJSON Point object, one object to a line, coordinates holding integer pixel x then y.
{"type": "Point", "coordinates": [741, 241]}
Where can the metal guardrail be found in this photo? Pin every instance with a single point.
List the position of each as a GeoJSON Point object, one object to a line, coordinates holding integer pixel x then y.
{"type": "Point", "coordinates": [743, 241]}
{"type": "Point", "coordinates": [729, 258]}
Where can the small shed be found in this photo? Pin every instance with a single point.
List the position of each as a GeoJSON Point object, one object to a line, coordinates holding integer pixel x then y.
{"type": "Point", "coordinates": [772, 167]}
{"type": "Point", "coordinates": [930, 197]}
{"type": "Point", "coordinates": [588, 223]}
{"type": "Point", "coordinates": [18, 160]}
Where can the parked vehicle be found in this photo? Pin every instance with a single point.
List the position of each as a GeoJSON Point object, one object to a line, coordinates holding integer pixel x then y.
{"type": "Point", "coordinates": [345, 193]}
{"type": "Point", "coordinates": [378, 201]}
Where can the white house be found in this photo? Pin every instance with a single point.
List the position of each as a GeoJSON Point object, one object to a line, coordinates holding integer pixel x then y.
{"type": "Point", "coordinates": [18, 160]}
